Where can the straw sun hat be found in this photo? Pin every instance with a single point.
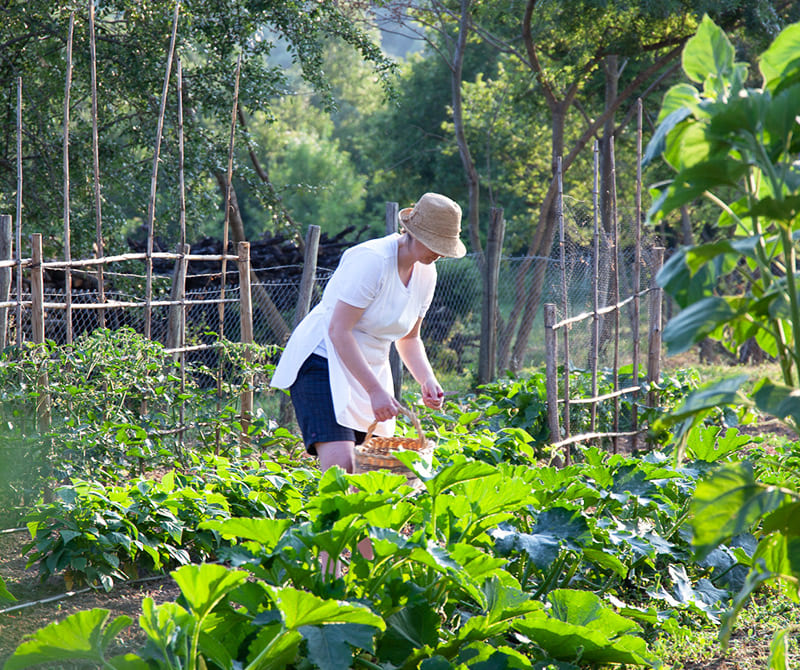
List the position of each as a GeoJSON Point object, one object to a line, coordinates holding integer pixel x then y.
{"type": "Point", "coordinates": [435, 220]}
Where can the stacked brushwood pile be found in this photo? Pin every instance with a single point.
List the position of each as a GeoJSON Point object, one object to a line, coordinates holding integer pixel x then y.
{"type": "Point", "coordinates": [272, 257]}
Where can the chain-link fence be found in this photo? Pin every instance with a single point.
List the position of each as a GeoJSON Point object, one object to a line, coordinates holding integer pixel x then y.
{"type": "Point", "coordinates": [451, 329]}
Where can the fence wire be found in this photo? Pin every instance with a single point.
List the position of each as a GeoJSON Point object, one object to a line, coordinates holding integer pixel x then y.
{"type": "Point", "coordinates": [451, 329]}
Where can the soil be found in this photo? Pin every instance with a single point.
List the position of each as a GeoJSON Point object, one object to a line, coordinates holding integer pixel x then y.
{"type": "Point", "coordinates": [59, 601]}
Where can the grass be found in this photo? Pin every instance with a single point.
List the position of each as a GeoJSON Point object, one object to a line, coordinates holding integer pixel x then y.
{"type": "Point", "coordinates": [749, 646]}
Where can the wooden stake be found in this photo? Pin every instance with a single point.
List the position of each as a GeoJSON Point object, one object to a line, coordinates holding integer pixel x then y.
{"type": "Point", "coordinates": [637, 270]}
{"type": "Point", "coordinates": [151, 210]}
{"type": "Point", "coordinates": [98, 209]}
{"type": "Point", "coordinates": [65, 149]}
{"type": "Point", "coordinates": [487, 362]}
{"type": "Point", "coordinates": [594, 353]}
{"type": "Point", "coordinates": [615, 276]}
{"type": "Point", "coordinates": [246, 327]}
{"type": "Point", "coordinates": [654, 339]}
{"type": "Point", "coordinates": [551, 373]}
{"type": "Point", "coordinates": [18, 250]}
{"type": "Point", "coordinates": [6, 247]}
{"type": "Point", "coordinates": [564, 295]}
{"type": "Point", "coordinates": [226, 222]}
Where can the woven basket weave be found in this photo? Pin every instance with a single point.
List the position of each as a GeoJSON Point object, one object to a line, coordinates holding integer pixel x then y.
{"type": "Point", "coordinates": [376, 452]}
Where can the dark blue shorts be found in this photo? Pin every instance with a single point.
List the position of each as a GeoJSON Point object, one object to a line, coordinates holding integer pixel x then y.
{"type": "Point", "coordinates": [313, 406]}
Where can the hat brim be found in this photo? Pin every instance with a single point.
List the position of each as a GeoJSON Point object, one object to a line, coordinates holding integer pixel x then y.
{"type": "Point", "coordinates": [447, 247]}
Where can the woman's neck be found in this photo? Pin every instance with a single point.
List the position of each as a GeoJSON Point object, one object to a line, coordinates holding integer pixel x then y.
{"type": "Point", "coordinates": [405, 259]}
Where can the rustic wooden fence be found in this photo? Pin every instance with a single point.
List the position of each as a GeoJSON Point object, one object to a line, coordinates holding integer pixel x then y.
{"type": "Point", "coordinates": [559, 399]}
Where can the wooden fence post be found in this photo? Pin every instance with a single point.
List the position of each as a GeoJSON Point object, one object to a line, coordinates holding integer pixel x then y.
{"type": "Point", "coordinates": [37, 325]}
{"type": "Point", "coordinates": [487, 362]}
{"type": "Point", "coordinates": [5, 275]}
{"type": "Point", "coordinates": [396, 365]}
{"type": "Point", "coordinates": [309, 275]}
{"type": "Point", "coordinates": [37, 289]}
{"type": "Point", "coordinates": [654, 339]}
{"type": "Point", "coordinates": [303, 300]}
{"type": "Point", "coordinates": [176, 323]}
{"type": "Point", "coordinates": [551, 368]}
{"type": "Point", "coordinates": [246, 327]}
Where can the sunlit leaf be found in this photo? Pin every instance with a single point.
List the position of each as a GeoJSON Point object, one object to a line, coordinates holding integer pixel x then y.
{"type": "Point", "coordinates": [729, 503]}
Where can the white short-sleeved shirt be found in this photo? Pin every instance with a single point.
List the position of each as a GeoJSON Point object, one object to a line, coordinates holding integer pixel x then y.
{"type": "Point", "coordinates": [366, 278]}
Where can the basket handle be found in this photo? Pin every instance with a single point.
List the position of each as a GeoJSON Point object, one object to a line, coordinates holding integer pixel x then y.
{"type": "Point", "coordinates": [414, 420]}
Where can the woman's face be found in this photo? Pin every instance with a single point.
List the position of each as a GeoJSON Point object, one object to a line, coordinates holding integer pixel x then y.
{"type": "Point", "coordinates": [421, 253]}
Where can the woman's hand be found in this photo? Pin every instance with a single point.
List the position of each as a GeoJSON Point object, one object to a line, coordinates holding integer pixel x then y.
{"type": "Point", "coordinates": [384, 404]}
{"type": "Point", "coordinates": [432, 393]}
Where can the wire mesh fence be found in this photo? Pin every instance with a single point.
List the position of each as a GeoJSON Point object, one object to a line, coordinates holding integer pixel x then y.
{"type": "Point", "coordinates": [451, 329]}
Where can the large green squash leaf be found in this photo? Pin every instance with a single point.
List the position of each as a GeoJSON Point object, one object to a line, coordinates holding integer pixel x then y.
{"type": "Point", "coordinates": [729, 503]}
{"type": "Point", "coordinates": [83, 636]}
{"type": "Point", "coordinates": [579, 628]}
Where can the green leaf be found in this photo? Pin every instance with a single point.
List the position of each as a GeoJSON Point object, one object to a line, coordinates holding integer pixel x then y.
{"type": "Point", "coordinates": [694, 323]}
{"type": "Point", "coordinates": [780, 63]}
{"type": "Point", "coordinates": [722, 393]}
{"type": "Point", "coordinates": [779, 400]}
{"type": "Point", "coordinates": [267, 532]}
{"type": "Point", "coordinates": [461, 471]}
{"type": "Point", "coordinates": [413, 627]}
{"type": "Point", "coordinates": [708, 53]}
{"type": "Point", "coordinates": [330, 647]}
{"type": "Point", "coordinates": [5, 594]}
{"type": "Point", "coordinates": [580, 628]}
{"type": "Point", "coordinates": [704, 443]}
{"type": "Point", "coordinates": [299, 608]}
{"type": "Point", "coordinates": [781, 556]}
{"type": "Point", "coordinates": [729, 503]}
{"type": "Point", "coordinates": [79, 637]}
{"type": "Point", "coordinates": [204, 586]}
{"type": "Point", "coordinates": [779, 650]}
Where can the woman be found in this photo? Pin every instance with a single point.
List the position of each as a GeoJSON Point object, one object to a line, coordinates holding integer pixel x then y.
{"type": "Point", "coordinates": [336, 362]}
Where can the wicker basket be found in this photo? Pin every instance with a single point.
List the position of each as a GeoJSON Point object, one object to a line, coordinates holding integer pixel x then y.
{"type": "Point", "coordinates": [376, 453]}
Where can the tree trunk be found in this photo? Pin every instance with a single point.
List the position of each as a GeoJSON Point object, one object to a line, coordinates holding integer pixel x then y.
{"type": "Point", "coordinates": [470, 172]}
{"type": "Point", "coordinates": [261, 298]}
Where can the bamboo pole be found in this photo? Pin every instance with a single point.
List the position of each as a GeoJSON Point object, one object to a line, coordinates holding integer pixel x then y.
{"type": "Point", "coordinates": [6, 248]}
{"type": "Point", "coordinates": [225, 236]}
{"type": "Point", "coordinates": [551, 372]}
{"type": "Point", "coordinates": [564, 295]}
{"type": "Point", "coordinates": [65, 151]}
{"type": "Point", "coordinates": [229, 179]}
{"type": "Point", "coordinates": [246, 327]}
{"type": "Point", "coordinates": [615, 275]}
{"type": "Point", "coordinates": [594, 354]}
{"type": "Point", "coordinates": [98, 209]}
{"type": "Point", "coordinates": [184, 248]}
{"type": "Point", "coordinates": [18, 250]}
{"type": "Point", "coordinates": [487, 362]}
{"type": "Point", "coordinates": [396, 365]}
{"type": "Point", "coordinates": [654, 339]}
{"type": "Point", "coordinates": [151, 209]}
{"type": "Point", "coordinates": [37, 324]}
{"type": "Point", "coordinates": [637, 270]}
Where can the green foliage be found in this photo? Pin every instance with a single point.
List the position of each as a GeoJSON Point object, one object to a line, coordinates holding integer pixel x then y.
{"type": "Point", "coordinates": [735, 145]}
{"type": "Point", "coordinates": [211, 35]}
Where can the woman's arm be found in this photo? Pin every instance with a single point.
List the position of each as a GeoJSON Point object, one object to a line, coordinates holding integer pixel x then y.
{"type": "Point", "coordinates": [412, 351]}
{"type": "Point", "coordinates": [340, 330]}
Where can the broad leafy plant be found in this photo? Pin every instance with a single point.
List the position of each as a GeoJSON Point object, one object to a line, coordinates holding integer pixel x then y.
{"type": "Point", "coordinates": [736, 146]}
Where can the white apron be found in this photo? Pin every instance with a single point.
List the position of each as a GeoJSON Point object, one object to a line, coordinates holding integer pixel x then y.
{"type": "Point", "coordinates": [366, 278]}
